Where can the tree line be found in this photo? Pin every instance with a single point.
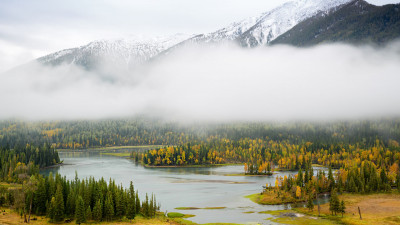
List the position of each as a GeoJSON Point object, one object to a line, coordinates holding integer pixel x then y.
{"type": "Point", "coordinates": [146, 131]}
{"type": "Point", "coordinates": [25, 160]}
{"type": "Point", "coordinates": [307, 184]}
{"type": "Point", "coordinates": [262, 156]}
{"type": "Point", "coordinates": [82, 200]}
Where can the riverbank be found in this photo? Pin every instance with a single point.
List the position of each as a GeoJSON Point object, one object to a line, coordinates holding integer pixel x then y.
{"type": "Point", "coordinates": [377, 209]}
{"type": "Point", "coordinates": [192, 166]}
{"type": "Point", "coordinates": [247, 175]}
{"type": "Point", "coordinates": [271, 197]}
{"type": "Point", "coordinates": [111, 148]}
{"type": "Point", "coordinates": [55, 166]}
{"type": "Point", "coordinates": [294, 217]}
{"type": "Point", "coordinates": [118, 154]}
{"type": "Point", "coordinates": [10, 217]}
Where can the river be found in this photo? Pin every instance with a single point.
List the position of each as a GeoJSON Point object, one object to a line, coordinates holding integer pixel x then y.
{"type": "Point", "coordinates": [180, 187]}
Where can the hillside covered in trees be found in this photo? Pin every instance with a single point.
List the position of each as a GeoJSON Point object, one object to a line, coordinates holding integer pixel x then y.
{"type": "Point", "coordinates": [83, 134]}
{"type": "Point", "coordinates": [25, 161]}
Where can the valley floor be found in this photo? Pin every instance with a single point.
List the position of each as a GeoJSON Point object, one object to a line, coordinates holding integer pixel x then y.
{"type": "Point", "coordinates": [375, 209]}
{"type": "Point", "coordinates": [10, 217]}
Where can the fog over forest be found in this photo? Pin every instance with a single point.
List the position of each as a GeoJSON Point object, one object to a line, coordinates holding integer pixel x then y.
{"type": "Point", "coordinates": [219, 83]}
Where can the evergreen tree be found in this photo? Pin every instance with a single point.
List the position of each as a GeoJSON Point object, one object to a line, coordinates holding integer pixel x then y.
{"type": "Point", "coordinates": [119, 211]}
{"type": "Point", "coordinates": [80, 211]}
{"type": "Point", "coordinates": [151, 206]}
{"type": "Point", "coordinates": [71, 203]}
{"type": "Point", "coordinates": [97, 212]}
{"type": "Point", "coordinates": [331, 179]}
{"type": "Point", "coordinates": [131, 212]}
{"type": "Point", "coordinates": [145, 207]}
{"type": "Point", "coordinates": [300, 178]}
{"type": "Point", "coordinates": [137, 206]}
{"type": "Point", "coordinates": [155, 207]}
{"type": "Point", "coordinates": [109, 207]}
{"type": "Point", "coordinates": [52, 207]}
{"type": "Point", "coordinates": [310, 203]}
{"type": "Point", "coordinates": [88, 213]}
{"type": "Point", "coordinates": [59, 205]}
{"type": "Point", "coordinates": [334, 203]}
{"type": "Point", "coordinates": [41, 197]}
{"type": "Point", "coordinates": [342, 208]}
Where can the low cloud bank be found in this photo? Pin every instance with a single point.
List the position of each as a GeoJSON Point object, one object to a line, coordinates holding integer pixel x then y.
{"type": "Point", "coordinates": [218, 83]}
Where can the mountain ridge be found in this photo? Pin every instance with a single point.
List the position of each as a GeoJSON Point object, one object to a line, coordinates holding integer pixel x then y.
{"type": "Point", "coordinates": [277, 26]}
{"type": "Point", "coordinates": [250, 32]}
{"type": "Point", "coordinates": [356, 22]}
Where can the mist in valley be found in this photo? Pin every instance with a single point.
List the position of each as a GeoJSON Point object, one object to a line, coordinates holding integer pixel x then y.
{"type": "Point", "coordinates": [216, 83]}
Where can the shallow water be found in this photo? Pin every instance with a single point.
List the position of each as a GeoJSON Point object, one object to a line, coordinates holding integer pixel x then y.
{"type": "Point", "coordinates": [180, 187]}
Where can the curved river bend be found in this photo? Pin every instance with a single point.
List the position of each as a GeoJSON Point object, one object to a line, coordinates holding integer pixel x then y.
{"type": "Point", "coordinates": [179, 187]}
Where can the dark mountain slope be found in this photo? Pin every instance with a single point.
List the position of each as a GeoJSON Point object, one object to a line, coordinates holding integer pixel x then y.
{"type": "Point", "coordinates": [356, 22]}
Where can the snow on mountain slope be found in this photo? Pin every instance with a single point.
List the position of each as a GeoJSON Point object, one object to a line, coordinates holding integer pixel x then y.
{"type": "Point", "coordinates": [125, 53]}
{"type": "Point", "coordinates": [229, 33]}
{"type": "Point", "coordinates": [276, 22]}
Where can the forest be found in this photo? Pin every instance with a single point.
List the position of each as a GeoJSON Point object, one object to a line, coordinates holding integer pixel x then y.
{"type": "Point", "coordinates": [60, 199]}
{"type": "Point", "coordinates": [25, 161]}
{"type": "Point", "coordinates": [360, 157]}
{"type": "Point", "coordinates": [83, 134]}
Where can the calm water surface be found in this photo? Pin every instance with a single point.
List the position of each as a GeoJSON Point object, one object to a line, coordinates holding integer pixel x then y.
{"type": "Point", "coordinates": [180, 187]}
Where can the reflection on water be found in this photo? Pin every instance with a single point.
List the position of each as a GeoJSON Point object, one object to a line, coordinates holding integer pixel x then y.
{"type": "Point", "coordinates": [180, 187]}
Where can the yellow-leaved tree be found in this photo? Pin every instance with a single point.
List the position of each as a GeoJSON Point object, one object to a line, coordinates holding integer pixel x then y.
{"type": "Point", "coordinates": [298, 192]}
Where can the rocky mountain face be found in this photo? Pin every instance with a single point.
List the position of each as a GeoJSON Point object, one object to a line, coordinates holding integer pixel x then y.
{"type": "Point", "coordinates": [297, 22]}
{"type": "Point", "coordinates": [356, 22]}
{"type": "Point", "coordinates": [261, 30]}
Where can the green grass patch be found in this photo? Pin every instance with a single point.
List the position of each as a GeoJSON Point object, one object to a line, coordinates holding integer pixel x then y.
{"type": "Point", "coordinates": [175, 215]}
{"type": "Point", "coordinates": [272, 197]}
{"type": "Point", "coordinates": [187, 208]}
{"type": "Point", "coordinates": [275, 212]}
{"type": "Point", "coordinates": [195, 208]}
{"type": "Point", "coordinates": [249, 212]}
{"type": "Point", "coordinates": [179, 215]}
{"type": "Point", "coordinates": [317, 165]}
{"type": "Point", "coordinates": [118, 154]}
{"type": "Point", "coordinates": [253, 197]}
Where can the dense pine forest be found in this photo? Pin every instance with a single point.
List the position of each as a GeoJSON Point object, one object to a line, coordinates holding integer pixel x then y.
{"type": "Point", "coordinates": [59, 199]}
{"type": "Point", "coordinates": [362, 157]}
{"type": "Point", "coordinates": [25, 161]}
{"type": "Point", "coordinates": [83, 200]}
{"type": "Point", "coordinates": [84, 134]}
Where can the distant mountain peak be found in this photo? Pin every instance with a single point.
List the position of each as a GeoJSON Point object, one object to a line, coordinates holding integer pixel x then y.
{"type": "Point", "coordinates": [356, 22]}
{"type": "Point", "coordinates": [125, 52]}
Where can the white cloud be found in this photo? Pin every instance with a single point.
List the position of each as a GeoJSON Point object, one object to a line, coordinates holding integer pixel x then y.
{"type": "Point", "coordinates": [219, 83]}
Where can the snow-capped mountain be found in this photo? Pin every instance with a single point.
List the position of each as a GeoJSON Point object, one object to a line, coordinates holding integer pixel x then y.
{"type": "Point", "coordinates": [261, 30]}
{"type": "Point", "coordinates": [255, 31]}
{"type": "Point", "coordinates": [229, 33]}
{"type": "Point", "coordinates": [276, 22]}
{"type": "Point", "coordinates": [356, 22]}
{"type": "Point", "coordinates": [124, 53]}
